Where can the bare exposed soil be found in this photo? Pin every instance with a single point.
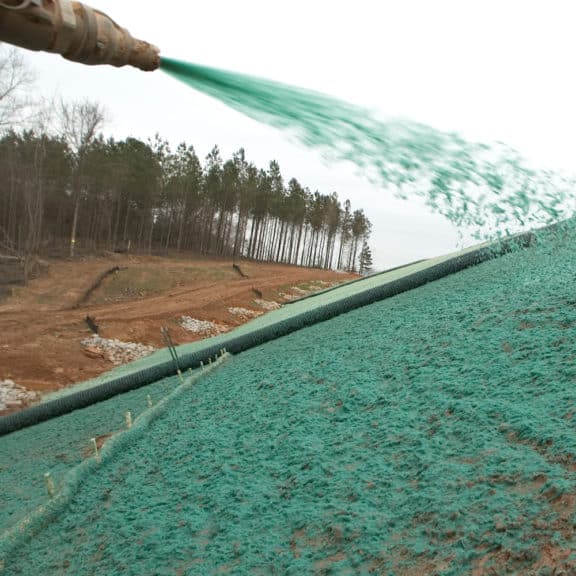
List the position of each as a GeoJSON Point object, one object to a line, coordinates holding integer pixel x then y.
{"type": "Point", "coordinates": [41, 326]}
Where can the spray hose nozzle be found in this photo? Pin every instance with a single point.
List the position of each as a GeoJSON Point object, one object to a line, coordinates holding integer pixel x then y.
{"type": "Point", "coordinates": [74, 30]}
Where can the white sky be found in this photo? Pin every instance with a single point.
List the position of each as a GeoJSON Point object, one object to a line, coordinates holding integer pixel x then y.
{"type": "Point", "coordinates": [491, 69]}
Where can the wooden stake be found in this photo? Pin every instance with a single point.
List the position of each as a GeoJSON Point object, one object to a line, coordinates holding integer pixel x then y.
{"type": "Point", "coordinates": [49, 484]}
{"type": "Point", "coordinates": [96, 451]}
{"type": "Point", "coordinates": [128, 420]}
{"type": "Point", "coordinates": [149, 400]}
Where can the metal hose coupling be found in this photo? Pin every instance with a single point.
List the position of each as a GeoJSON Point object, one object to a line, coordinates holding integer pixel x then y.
{"type": "Point", "coordinates": [74, 30]}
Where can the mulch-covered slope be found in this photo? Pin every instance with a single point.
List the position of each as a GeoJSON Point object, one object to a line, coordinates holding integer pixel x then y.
{"type": "Point", "coordinates": [434, 432]}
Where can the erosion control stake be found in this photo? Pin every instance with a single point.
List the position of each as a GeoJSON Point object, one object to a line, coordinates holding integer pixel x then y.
{"type": "Point", "coordinates": [172, 349]}
{"type": "Point", "coordinates": [96, 452]}
{"type": "Point", "coordinates": [49, 484]}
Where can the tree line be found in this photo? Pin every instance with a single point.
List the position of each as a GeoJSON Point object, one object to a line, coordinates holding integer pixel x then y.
{"type": "Point", "coordinates": [65, 185]}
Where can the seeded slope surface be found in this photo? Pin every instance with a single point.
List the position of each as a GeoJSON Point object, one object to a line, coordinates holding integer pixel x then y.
{"type": "Point", "coordinates": [433, 432]}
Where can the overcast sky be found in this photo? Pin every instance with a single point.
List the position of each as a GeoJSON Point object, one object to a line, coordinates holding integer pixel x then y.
{"type": "Point", "coordinates": [490, 69]}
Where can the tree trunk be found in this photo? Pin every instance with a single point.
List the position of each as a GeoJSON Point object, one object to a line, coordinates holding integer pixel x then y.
{"type": "Point", "coordinates": [298, 243]}
{"type": "Point", "coordinates": [74, 226]}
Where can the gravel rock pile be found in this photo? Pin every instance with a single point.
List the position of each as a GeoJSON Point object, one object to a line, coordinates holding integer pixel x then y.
{"type": "Point", "coordinates": [115, 351]}
{"type": "Point", "coordinates": [297, 292]}
{"type": "Point", "coordinates": [12, 395]}
{"type": "Point", "coordinates": [201, 326]}
{"type": "Point", "coordinates": [267, 304]}
{"type": "Point", "coordinates": [287, 297]}
{"type": "Point", "coordinates": [244, 313]}
{"type": "Point", "coordinates": [300, 291]}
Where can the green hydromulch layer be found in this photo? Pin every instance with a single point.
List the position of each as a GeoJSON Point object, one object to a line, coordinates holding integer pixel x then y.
{"type": "Point", "coordinates": [62, 443]}
{"type": "Point", "coordinates": [431, 433]}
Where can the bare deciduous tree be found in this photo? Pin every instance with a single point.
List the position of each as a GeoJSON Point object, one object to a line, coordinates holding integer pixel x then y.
{"type": "Point", "coordinates": [79, 123]}
{"type": "Point", "coordinates": [15, 77]}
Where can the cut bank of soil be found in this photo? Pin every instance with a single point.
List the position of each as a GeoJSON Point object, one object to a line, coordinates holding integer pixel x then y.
{"type": "Point", "coordinates": [40, 330]}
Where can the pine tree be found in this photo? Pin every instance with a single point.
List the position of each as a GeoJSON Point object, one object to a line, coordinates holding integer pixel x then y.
{"type": "Point", "coordinates": [365, 259]}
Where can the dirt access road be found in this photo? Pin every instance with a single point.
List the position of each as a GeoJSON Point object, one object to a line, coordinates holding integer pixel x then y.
{"type": "Point", "coordinates": [41, 330]}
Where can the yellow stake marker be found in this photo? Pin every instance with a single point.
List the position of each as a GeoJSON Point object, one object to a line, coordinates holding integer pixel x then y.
{"type": "Point", "coordinates": [96, 451]}
{"type": "Point", "coordinates": [49, 484]}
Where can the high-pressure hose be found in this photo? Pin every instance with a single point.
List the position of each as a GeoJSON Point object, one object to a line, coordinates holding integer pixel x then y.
{"type": "Point", "coordinates": [74, 30]}
{"type": "Point", "coordinates": [19, 6]}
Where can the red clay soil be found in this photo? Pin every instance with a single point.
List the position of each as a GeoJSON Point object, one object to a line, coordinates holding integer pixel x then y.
{"type": "Point", "coordinates": [41, 329]}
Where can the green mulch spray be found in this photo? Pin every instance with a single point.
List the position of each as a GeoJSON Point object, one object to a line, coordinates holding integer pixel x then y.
{"type": "Point", "coordinates": [485, 187]}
